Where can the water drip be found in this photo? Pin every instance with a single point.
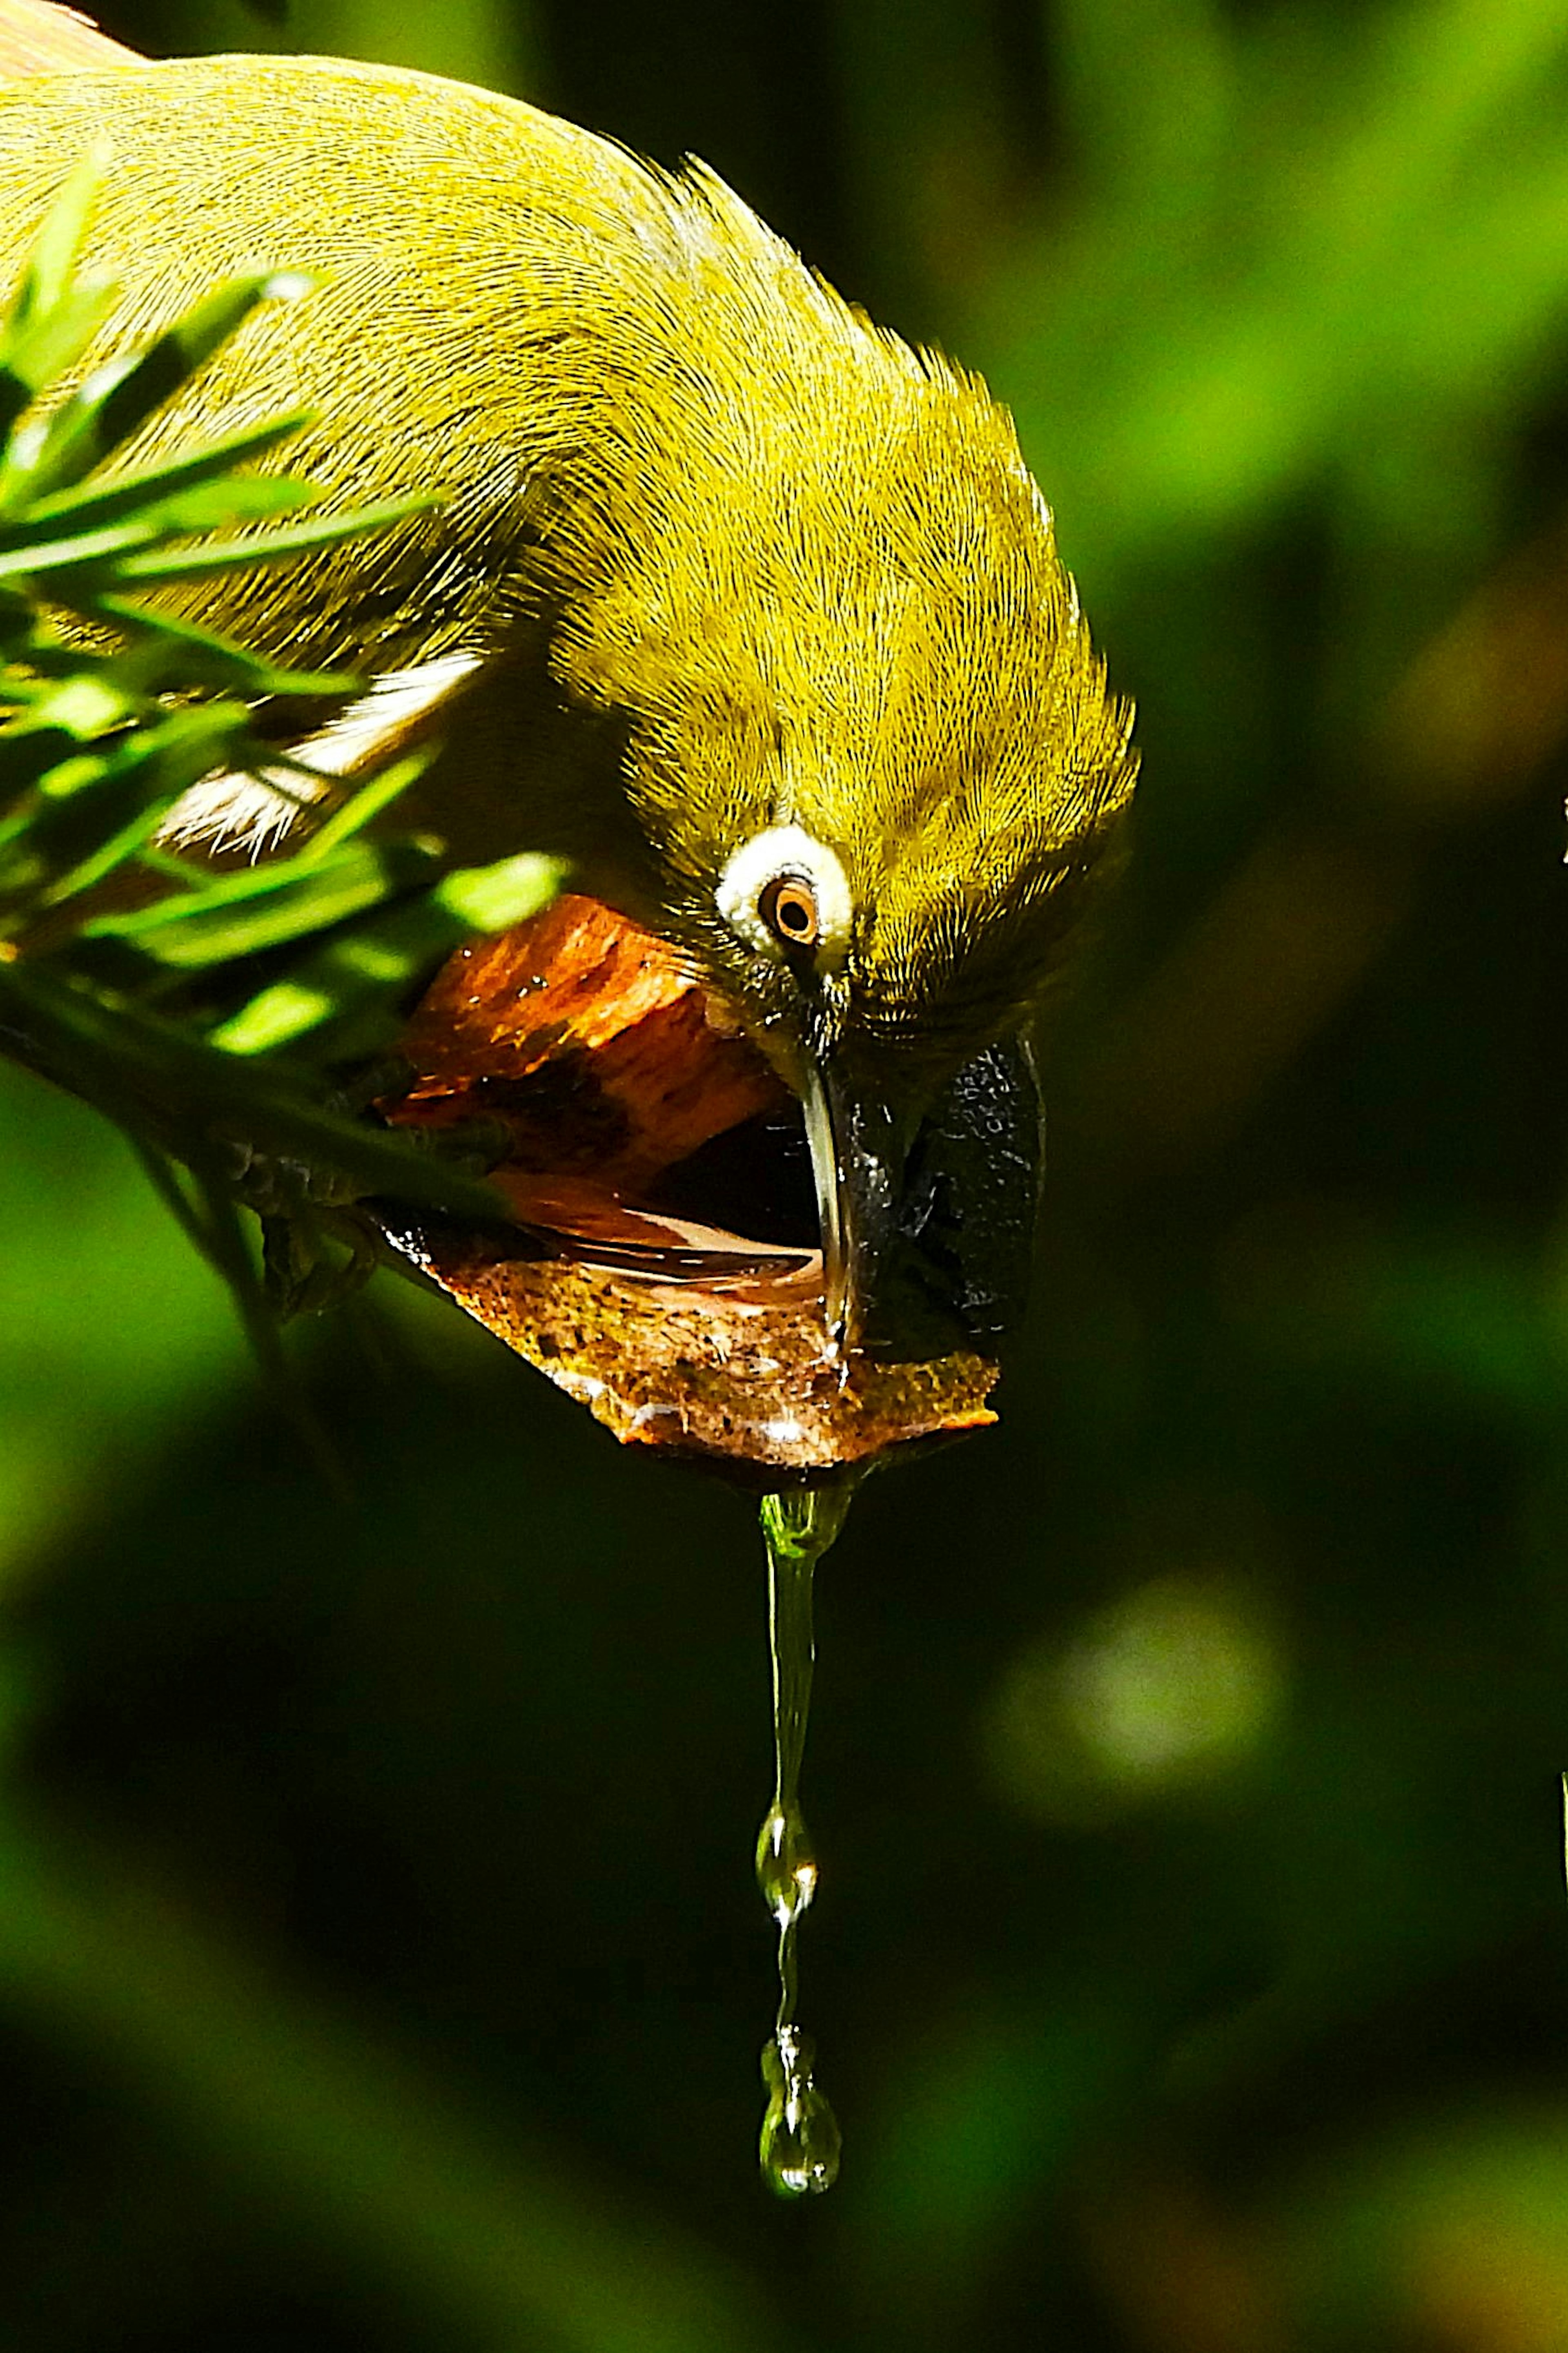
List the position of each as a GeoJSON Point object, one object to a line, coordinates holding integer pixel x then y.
{"type": "Point", "coordinates": [800, 2142]}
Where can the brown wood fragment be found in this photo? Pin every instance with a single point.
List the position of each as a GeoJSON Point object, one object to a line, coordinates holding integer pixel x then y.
{"type": "Point", "coordinates": [589, 1041]}
{"type": "Point", "coordinates": [742, 1379]}
{"type": "Point", "coordinates": [608, 1066]}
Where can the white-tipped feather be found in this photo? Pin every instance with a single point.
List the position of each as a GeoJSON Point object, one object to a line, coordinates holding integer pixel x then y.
{"type": "Point", "coordinates": [255, 812]}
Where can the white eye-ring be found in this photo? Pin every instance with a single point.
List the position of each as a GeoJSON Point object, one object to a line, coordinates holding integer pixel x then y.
{"type": "Point", "coordinates": [785, 890]}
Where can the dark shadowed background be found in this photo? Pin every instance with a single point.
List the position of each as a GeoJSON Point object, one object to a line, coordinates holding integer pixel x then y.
{"type": "Point", "coordinates": [380, 1964]}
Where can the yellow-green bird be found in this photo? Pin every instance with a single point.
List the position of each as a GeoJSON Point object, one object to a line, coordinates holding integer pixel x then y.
{"type": "Point", "coordinates": [726, 595]}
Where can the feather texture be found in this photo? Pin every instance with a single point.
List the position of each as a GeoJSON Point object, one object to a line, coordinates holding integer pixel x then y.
{"type": "Point", "coordinates": [711, 552]}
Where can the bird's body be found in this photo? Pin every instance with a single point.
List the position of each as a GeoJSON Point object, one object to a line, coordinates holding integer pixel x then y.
{"type": "Point", "coordinates": [711, 560]}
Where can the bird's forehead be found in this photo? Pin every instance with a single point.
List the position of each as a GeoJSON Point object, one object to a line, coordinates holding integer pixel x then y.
{"type": "Point", "coordinates": [870, 649]}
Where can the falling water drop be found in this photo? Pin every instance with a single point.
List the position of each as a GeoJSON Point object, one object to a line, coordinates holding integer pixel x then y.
{"type": "Point", "coordinates": [799, 2146]}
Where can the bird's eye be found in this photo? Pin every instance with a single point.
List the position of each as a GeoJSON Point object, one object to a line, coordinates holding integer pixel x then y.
{"type": "Point", "coordinates": [788, 906]}
{"type": "Point", "coordinates": [783, 889]}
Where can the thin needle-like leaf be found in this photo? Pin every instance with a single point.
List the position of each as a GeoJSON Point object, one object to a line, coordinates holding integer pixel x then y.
{"type": "Point", "coordinates": [121, 396]}
{"type": "Point", "coordinates": [156, 485]}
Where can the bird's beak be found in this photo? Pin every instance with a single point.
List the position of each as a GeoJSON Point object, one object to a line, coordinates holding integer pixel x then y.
{"type": "Point", "coordinates": [858, 1147]}
{"type": "Point", "coordinates": [926, 1206]}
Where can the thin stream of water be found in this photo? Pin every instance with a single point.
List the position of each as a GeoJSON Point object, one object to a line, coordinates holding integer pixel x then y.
{"type": "Point", "coordinates": [799, 2147]}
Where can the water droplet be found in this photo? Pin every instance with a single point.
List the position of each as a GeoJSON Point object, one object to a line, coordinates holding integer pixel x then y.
{"type": "Point", "coordinates": [800, 2142]}
{"type": "Point", "coordinates": [803, 1523]}
{"type": "Point", "coordinates": [786, 1867]}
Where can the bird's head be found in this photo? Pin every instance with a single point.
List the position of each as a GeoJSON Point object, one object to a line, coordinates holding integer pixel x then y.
{"type": "Point", "coordinates": [867, 745]}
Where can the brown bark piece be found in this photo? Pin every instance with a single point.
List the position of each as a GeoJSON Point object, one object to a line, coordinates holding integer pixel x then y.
{"type": "Point", "coordinates": [589, 1041]}
{"type": "Point", "coordinates": [743, 1377]}
{"type": "Point", "coordinates": [609, 1065]}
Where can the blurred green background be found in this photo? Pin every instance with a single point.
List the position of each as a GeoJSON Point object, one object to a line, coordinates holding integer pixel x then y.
{"type": "Point", "coordinates": [380, 1964]}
